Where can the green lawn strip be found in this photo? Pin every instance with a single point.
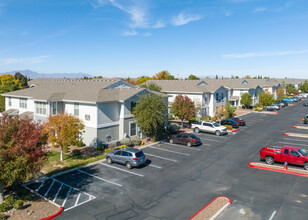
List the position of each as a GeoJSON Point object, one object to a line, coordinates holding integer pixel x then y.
{"type": "Point", "coordinates": [69, 162]}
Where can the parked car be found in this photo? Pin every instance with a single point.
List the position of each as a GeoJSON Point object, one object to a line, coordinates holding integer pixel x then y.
{"type": "Point", "coordinates": [240, 121]}
{"type": "Point", "coordinates": [305, 104]}
{"type": "Point", "coordinates": [230, 122]}
{"type": "Point", "coordinates": [130, 157]}
{"type": "Point", "coordinates": [305, 119]}
{"type": "Point", "coordinates": [295, 99]}
{"type": "Point", "coordinates": [289, 154]}
{"type": "Point", "coordinates": [289, 100]}
{"type": "Point", "coordinates": [272, 107]}
{"type": "Point", "coordinates": [185, 138]}
{"type": "Point", "coordinates": [210, 127]}
{"type": "Point", "coordinates": [280, 103]}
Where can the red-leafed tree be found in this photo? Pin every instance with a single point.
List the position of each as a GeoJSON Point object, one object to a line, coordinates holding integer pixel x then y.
{"type": "Point", "coordinates": [21, 150]}
{"type": "Point", "coordinates": [183, 107]}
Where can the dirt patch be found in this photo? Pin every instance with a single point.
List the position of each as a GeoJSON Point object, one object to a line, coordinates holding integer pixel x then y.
{"type": "Point", "coordinates": [211, 209]}
{"type": "Point", "coordinates": [240, 111]}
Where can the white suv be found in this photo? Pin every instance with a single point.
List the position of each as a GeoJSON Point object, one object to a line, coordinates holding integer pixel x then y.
{"type": "Point", "coordinates": [210, 127]}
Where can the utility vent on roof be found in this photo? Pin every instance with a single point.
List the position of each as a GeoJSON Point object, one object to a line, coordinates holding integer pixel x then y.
{"type": "Point", "coordinates": [244, 82]}
{"type": "Point", "coordinates": [32, 85]}
{"type": "Point", "coordinates": [201, 83]}
{"type": "Point", "coordinates": [267, 80]}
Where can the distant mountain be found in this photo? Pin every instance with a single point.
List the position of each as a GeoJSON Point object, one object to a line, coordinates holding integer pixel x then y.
{"type": "Point", "coordinates": [34, 75]}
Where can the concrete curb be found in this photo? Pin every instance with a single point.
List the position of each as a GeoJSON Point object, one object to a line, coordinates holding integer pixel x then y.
{"type": "Point", "coordinates": [217, 213]}
{"type": "Point", "coordinates": [296, 135]}
{"type": "Point", "coordinates": [301, 127]}
{"type": "Point", "coordinates": [54, 215]}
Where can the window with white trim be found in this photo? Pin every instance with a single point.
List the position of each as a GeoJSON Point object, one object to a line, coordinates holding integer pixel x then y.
{"type": "Point", "coordinates": [53, 108]}
{"type": "Point", "coordinates": [22, 103]}
{"type": "Point", "coordinates": [10, 101]}
{"type": "Point", "coordinates": [41, 108]}
{"type": "Point", "coordinates": [133, 129]}
{"type": "Point", "coordinates": [76, 108]}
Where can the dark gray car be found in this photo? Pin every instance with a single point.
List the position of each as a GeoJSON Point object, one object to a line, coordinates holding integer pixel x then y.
{"type": "Point", "coordinates": [130, 157]}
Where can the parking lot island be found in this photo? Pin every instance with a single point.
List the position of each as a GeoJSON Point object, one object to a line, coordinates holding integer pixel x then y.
{"type": "Point", "coordinates": [212, 209]}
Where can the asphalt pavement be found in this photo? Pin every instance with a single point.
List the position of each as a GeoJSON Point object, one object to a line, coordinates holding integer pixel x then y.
{"type": "Point", "coordinates": [178, 181]}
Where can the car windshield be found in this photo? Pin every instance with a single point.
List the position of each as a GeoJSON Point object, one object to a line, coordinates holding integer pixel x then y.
{"type": "Point", "coordinates": [216, 125]}
{"type": "Point", "coordinates": [139, 154]}
{"type": "Point", "coordinates": [303, 152]}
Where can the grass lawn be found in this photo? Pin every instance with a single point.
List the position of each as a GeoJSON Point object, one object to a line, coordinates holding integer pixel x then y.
{"type": "Point", "coordinates": [54, 165]}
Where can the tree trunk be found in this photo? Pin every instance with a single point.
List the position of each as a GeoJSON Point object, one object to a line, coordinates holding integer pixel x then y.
{"type": "Point", "coordinates": [182, 123]}
{"type": "Point", "coordinates": [61, 154]}
{"type": "Point", "coordinates": [1, 193]}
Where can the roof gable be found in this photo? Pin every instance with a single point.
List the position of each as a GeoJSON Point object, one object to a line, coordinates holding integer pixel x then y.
{"type": "Point", "coordinates": [120, 84]}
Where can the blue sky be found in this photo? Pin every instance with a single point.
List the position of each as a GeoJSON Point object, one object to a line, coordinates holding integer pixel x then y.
{"type": "Point", "coordinates": [142, 37]}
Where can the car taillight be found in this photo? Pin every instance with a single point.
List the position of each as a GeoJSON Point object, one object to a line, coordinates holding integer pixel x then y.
{"type": "Point", "coordinates": [234, 123]}
{"type": "Point", "coordinates": [194, 139]}
{"type": "Point", "coordinates": [135, 159]}
{"type": "Point", "coordinates": [191, 126]}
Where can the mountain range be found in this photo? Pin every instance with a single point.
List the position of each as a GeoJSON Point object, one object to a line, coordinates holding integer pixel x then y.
{"type": "Point", "coordinates": [34, 75]}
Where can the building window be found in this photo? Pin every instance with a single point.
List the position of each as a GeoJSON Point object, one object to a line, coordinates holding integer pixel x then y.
{"type": "Point", "coordinates": [76, 108]}
{"type": "Point", "coordinates": [41, 108]}
{"type": "Point", "coordinates": [23, 103]}
{"type": "Point", "coordinates": [217, 97]}
{"type": "Point", "coordinates": [133, 129]}
{"type": "Point", "coordinates": [132, 106]}
{"type": "Point", "coordinates": [10, 101]}
{"type": "Point", "coordinates": [108, 138]}
{"type": "Point", "coordinates": [222, 96]}
{"type": "Point", "coordinates": [53, 108]}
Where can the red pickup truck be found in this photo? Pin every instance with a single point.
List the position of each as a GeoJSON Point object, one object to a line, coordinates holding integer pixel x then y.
{"type": "Point", "coordinates": [289, 154]}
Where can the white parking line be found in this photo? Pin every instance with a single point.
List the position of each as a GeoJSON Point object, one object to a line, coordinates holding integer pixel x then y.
{"type": "Point", "coordinates": [164, 158]}
{"type": "Point", "coordinates": [90, 198]}
{"type": "Point", "coordinates": [209, 139]}
{"type": "Point", "coordinates": [78, 197]}
{"type": "Point", "coordinates": [295, 140]}
{"type": "Point", "coordinates": [49, 188]}
{"type": "Point", "coordinates": [154, 166]}
{"type": "Point", "coordinates": [68, 192]}
{"type": "Point", "coordinates": [137, 174]}
{"type": "Point", "coordinates": [297, 144]}
{"type": "Point", "coordinates": [100, 178]}
{"type": "Point", "coordinates": [176, 145]}
{"type": "Point", "coordinates": [57, 193]}
{"type": "Point", "coordinates": [272, 216]}
{"type": "Point", "coordinates": [40, 186]}
{"type": "Point", "coordinates": [169, 151]}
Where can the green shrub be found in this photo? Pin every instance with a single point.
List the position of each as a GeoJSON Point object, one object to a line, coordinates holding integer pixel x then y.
{"type": "Point", "coordinates": [135, 140]}
{"type": "Point", "coordinates": [5, 206]}
{"type": "Point", "coordinates": [79, 144]}
{"type": "Point", "coordinates": [2, 217]}
{"type": "Point", "coordinates": [229, 127]}
{"type": "Point", "coordinates": [18, 204]}
{"type": "Point", "coordinates": [76, 153]}
{"type": "Point", "coordinates": [125, 141]}
{"type": "Point", "coordinates": [207, 118]}
{"type": "Point", "coordinates": [112, 145]}
{"type": "Point", "coordinates": [214, 118]}
{"type": "Point", "coordinates": [123, 146]}
{"type": "Point", "coordinates": [259, 110]}
{"type": "Point", "coordinates": [170, 116]}
{"type": "Point", "coordinates": [65, 149]}
{"type": "Point", "coordinates": [107, 151]}
{"type": "Point", "coordinates": [10, 199]}
{"type": "Point", "coordinates": [99, 148]}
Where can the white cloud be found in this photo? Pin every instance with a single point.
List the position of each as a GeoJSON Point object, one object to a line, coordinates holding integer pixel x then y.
{"type": "Point", "coordinates": [24, 60]}
{"type": "Point", "coordinates": [260, 9]}
{"type": "Point", "coordinates": [265, 54]}
{"type": "Point", "coordinates": [137, 10]}
{"type": "Point", "coordinates": [159, 24]}
{"type": "Point", "coordinates": [147, 34]}
{"type": "Point", "coordinates": [130, 33]}
{"type": "Point", "coordinates": [182, 19]}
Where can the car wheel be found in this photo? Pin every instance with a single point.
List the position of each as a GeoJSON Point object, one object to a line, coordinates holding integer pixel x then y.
{"type": "Point", "coordinates": [217, 133]}
{"type": "Point", "coordinates": [306, 166]}
{"type": "Point", "coordinates": [109, 160]}
{"type": "Point", "coordinates": [128, 165]}
{"type": "Point", "coordinates": [269, 160]}
{"type": "Point", "coordinates": [188, 144]}
{"type": "Point", "coordinates": [171, 141]}
{"type": "Point", "coordinates": [197, 130]}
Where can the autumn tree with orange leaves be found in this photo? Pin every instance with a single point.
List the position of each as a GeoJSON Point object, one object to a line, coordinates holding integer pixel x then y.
{"type": "Point", "coordinates": [63, 129]}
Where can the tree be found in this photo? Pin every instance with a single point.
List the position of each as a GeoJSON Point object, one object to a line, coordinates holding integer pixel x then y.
{"type": "Point", "coordinates": [246, 99]}
{"type": "Point", "coordinates": [266, 99]}
{"type": "Point", "coordinates": [21, 150]}
{"type": "Point", "coordinates": [216, 77]}
{"type": "Point", "coordinates": [63, 129]}
{"type": "Point", "coordinates": [7, 84]}
{"type": "Point", "coordinates": [150, 115]}
{"type": "Point", "coordinates": [163, 75]}
{"type": "Point", "coordinates": [183, 107]}
{"type": "Point", "coordinates": [143, 79]}
{"type": "Point", "coordinates": [22, 79]}
{"type": "Point", "coordinates": [193, 77]}
{"type": "Point", "coordinates": [290, 88]}
{"type": "Point", "coordinates": [228, 110]}
{"type": "Point", "coordinates": [280, 94]}
{"type": "Point", "coordinates": [247, 77]}
{"type": "Point", "coordinates": [304, 87]}
{"type": "Point", "coordinates": [131, 81]}
{"type": "Point", "coordinates": [151, 86]}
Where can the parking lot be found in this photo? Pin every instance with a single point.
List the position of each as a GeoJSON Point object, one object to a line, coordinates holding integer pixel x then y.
{"type": "Point", "coordinates": [177, 180]}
